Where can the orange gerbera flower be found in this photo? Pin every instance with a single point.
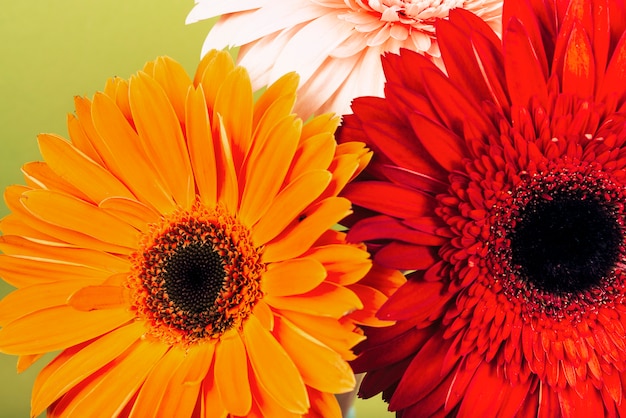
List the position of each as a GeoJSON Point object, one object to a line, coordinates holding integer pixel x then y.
{"type": "Point", "coordinates": [178, 252]}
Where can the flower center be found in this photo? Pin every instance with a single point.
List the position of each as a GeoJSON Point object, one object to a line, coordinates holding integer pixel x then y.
{"type": "Point", "coordinates": [413, 11]}
{"type": "Point", "coordinates": [565, 242]}
{"type": "Point", "coordinates": [196, 275]}
{"type": "Point", "coordinates": [558, 239]}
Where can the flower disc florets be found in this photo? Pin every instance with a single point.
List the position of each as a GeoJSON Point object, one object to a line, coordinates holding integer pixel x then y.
{"type": "Point", "coordinates": [196, 275]}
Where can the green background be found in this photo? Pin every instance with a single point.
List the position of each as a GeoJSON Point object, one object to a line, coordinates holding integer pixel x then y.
{"type": "Point", "coordinates": [53, 51]}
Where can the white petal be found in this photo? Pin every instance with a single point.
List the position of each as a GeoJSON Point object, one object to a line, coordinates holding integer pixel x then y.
{"type": "Point", "coordinates": [206, 9]}
{"type": "Point", "coordinates": [308, 49]}
{"type": "Point", "coordinates": [242, 28]}
{"type": "Point", "coordinates": [324, 85]}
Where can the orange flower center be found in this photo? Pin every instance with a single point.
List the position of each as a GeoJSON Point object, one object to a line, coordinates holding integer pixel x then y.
{"type": "Point", "coordinates": [196, 275]}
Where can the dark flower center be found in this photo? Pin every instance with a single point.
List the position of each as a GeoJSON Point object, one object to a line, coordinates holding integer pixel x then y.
{"type": "Point", "coordinates": [193, 277]}
{"type": "Point", "coordinates": [196, 275]}
{"type": "Point", "coordinates": [565, 243]}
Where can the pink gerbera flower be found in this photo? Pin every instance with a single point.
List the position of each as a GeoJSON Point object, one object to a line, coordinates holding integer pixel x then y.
{"type": "Point", "coordinates": [335, 45]}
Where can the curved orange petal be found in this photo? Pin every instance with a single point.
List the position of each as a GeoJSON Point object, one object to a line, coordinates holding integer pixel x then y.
{"type": "Point", "coordinates": [46, 330]}
{"type": "Point", "coordinates": [321, 367]}
{"type": "Point", "coordinates": [90, 298]}
{"type": "Point", "coordinates": [231, 374]}
{"type": "Point", "coordinates": [264, 313]}
{"type": "Point", "coordinates": [314, 153]}
{"type": "Point", "coordinates": [338, 336]}
{"type": "Point", "coordinates": [211, 72]}
{"type": "Point", "coordinates": [50, 232]}
{"type": "Point", "coordinates": [65, 371]}
{"type": "Point", "coordinates": [277, 100]}
{"type": "Point", "coordinates": [131, 211]}
{"type": "Point", "coordinates": [316, 219]}
{"type": "Point", "coordinates": [175, 81]}
{"type": "Point", "coordinates": [121, 148]}
{"type": "Point", "coordinates": [79, 170]}
{"type": "Point", "coordinates": [25, 300]}
{"type": "Point", "coordinates": [273, 156]}
{"type": "Point", "coordinates": [327, 299]}
{"type": "Point", "coordinates": [39, 175]}
{"type": "Point", "coordinates": [24, 362]}
{"type": "Point", "coordinates": [21, 271]}
{"type": "Point", "coordinates": [234, 105]}
{"type": "Point", "coordinates": [210, 403]}
{"type": "Point", "coordinates": [17, 245]}
{"type": "Point", "coordinates": [201, 147]}
{"type": "Point", "coordinates": [346, 264]}
{"type": "Point", "coordinates": [153, 389]}
{"type": "Point", "coordinates": [107, 396]}
{"type": "Point", "coordinates": [79, 137]}
{"type": "Point", "coordinates": [160, 132]}
{"type": "Point", "coordinates": [292, 277]}
{"type": "Point", "coordinates": [184, 384]}
{"type": "Point", "coordinates": [70, 213]}
{"type": "Point", "coordinates": [289, 203]}
{"type": "Point", "coordinates": [228, 188]}
{"type": "Point", "coordinates": [274, 369]}
{"type": "Point", "coordinates": [323, 405]}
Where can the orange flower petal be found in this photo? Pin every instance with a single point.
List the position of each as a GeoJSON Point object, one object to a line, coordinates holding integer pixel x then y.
{"type": "Point", "coordinates": [210, 403]}
{"type": "Point", "coordinates": [372, 299]}
{"type": "Point", "coordinates": [277, 100]}
{"type": "Point", "coordinates": [33, 298]}
{"type": "Point", "coordinates": [317, 219]}
{"type": "Point", "coordinates": [345, 264]}
{"type": "Point", "coordinates": [174, 80]}
{"type": "Point", "coordinates": [338, 336]}
{"type": "Point", "coordinates": [68, 212]}
{"type": "Point", "coordinates": [79, 170]}
{"type": "Point", "coordinates": [292, 277]}
{"type": "Point", "coordinates": [324, 404]}
{"type": "Point", "coordinates": [282, 380]}
{"type": "Point", "coordinates": [24, 362]}
{"type": "Point", "coordinates": [12, 224]}
{"type": "Point", "coordinates": [39, 175]}
{"type": "Point", "coordinates": [67, 370]}
{"type": "Point", "coordinates": [50, 232]}
{"type": "Point", "coordinates": [263, 405]}
{"type": "Point", "coordinates": [117, 89]}
{"type": "Point", "coordinates": [201, 148]}
{"type": "Point", "coordinates": [16, 245]}
{"type": "Point", "coordinates": [264, 314]}
{"type": "Point", "coordinates": [327, 299]}
{"type": "Point", "coordinates": [130, 211]}
{"type": "Point", "coordinates": [22, 271]}
{"type": "Point", "coordinates": [122, 150]}
{"type": "Point", "coordinates": [213, 69]}
{"type": "Point", "coordinates": [159, 130]}
{"type": "Point", "coordinates": [154, 387]}
{"type": "Point", "coordinates": [321, 367]}
{"type": "Point", "coordinates": [108, 395]}
{"type": "Point", "coordinates": [79, 137]}
{"type": "Point", "coordinates": [46, 330]}
{"type": "Point", "coordinates": [314, 153]}
{"type": "Point", "coordinates": [234, 106]}
{"type": "Point", "coordinates": [289, 203]}
{"type": "Point", "coordinates": [183, 386]}
{"type": "Point", "coordinates": [273, 156]}
{"type": "Point", "coordinates": [231, 374]}
{"type": "Point", "coordinates": [90, 298]}
{"type": "Point", "coordinates": [228, 189]}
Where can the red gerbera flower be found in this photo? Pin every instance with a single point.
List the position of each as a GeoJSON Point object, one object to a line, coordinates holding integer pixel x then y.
{"type": "Point", "coordinates": [501, 186]}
